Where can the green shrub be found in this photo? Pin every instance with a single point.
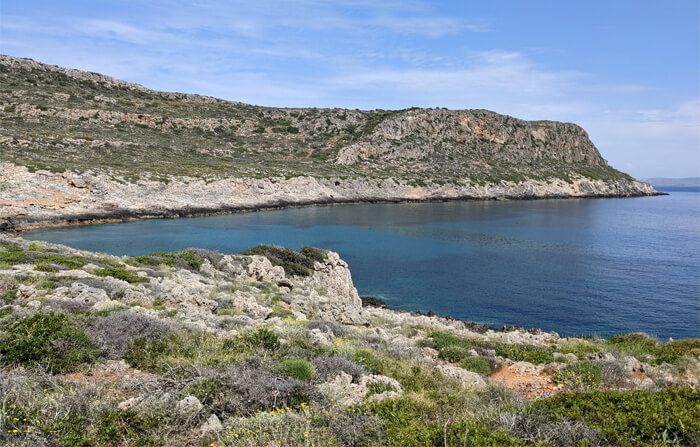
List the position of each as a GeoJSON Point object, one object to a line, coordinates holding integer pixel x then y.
{"type": "Point", "coordinates": [369, 360]}
{"type": "Point", "coordinates": [687, 347]}
{"type": "Point", "coordinates": [525, 353]}
{"type": "Point", "coordinates": [120, 273]}
{"type": "Point", "coordinates": [8, 288]}
{"type": "Point", "coordinates": [186, 258]}
{"type": "Point", "coordinates": [450, 347]}
{"type": "Point", "coordinates": [125, 427]}
{"type": "Point", "coordinates": [299, 263]}
{"type": "Point", "coordinates": [205, 389]}
{"type": "Point", "coordinates": [476, 364]}
{"type": "Point", "coordinates": [641, 345]}
{"type": "Point", "coordinates": [281, 312]}
{"type": "Point", "coordinates": [417, 377]}
{"type": "Point", "coordinates": [12, 255]}
{"type": "Point", "coordinates": [632, 418]}
{"type": "Point", "coordinates": [634, 344]}
{"type": "Point", "coordinates": [313, 253]}
{"type": "Point", "coordinates": [163, 352]}
{"type": "Point", "coordinates": [71, 262]}
{"type": "Point", "coordinates": [580, 375]}
{"type": "Point", "coordinates": [452, 353]}
{"type": "Point", "coordinates": [48, 340]}
{"type": "Point", "coordinates": [251, 340]}
{"type": "Point", "coordinates": [378, 388]}
{"type": "Point", "coordinates": [416, 421]}
{"type": "Point", "coordinates": [146, 354]}
{"type": "Point", "coordinates": [578, 347]}
{"type": "Point", "coordinates": [443, 339]}
{"type": "Point", "coordinates": [299, 369]}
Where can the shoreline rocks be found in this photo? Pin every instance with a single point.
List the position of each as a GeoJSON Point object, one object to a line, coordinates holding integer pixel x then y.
{"type": "Point", "coordinates": [30, 200]}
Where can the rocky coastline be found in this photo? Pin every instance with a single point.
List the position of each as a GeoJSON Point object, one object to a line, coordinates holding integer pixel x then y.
{"type": "Point", "coordinates": [31, 200]}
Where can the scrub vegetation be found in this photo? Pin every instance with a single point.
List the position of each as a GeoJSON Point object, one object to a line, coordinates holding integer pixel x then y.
{"type": "Point", "coordinates": [198, 367]}
{"type": "Point", "coordinates": [92, 123]}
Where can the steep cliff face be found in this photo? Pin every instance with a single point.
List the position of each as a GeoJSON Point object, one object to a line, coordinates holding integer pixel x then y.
{"type": "Point", "coordinates": [94, 145]}
{"type": "Point", "coordinates": [418, 133]}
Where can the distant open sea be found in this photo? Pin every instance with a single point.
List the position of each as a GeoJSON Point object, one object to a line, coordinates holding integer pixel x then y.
{"type": "Point", "coordinates": [588, 266]}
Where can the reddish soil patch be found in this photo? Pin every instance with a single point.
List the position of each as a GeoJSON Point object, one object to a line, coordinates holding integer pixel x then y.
{"type": "Point", "coordinates": [532, 384]}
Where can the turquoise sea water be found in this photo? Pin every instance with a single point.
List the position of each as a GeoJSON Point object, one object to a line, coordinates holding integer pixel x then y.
{"type": "Point", "coordinates": [596, 267]}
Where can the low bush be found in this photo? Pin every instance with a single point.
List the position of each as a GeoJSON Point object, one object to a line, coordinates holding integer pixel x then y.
{"type": "Point", "coordinates": [13, 255]}
{"type": "Point", "coordinates": [634, 344]}
{"type": "Point", "coordinates": [116, 331]}
{"type": "Point", "coordinates": [525, 353]}
{"type": "Point", "coordinates": [529, 425]}
{"type": "Point", "coordinates": [453, 353]}
{"type": "Point", "coordinates": [299, 369]}
{"type": "Point", "coordinates": [190, 259]}
{"type": "Point", "coordinates": [641, 346]}
{"type": "Point", "coordinates": [450, 347]}
{"type": "Point", "coordinates": [358, 430]}
{"type": "Point", "coordinates": [369, 360]}
{"type": "Point", "coordinates": [47, 340]}
{"type": "Point", "coordinates": [672, 351]}
{"type": "Point", "coordinates": [8, 288]}
{"type": "Point", "coordinates": [247, 389]}
{"type": "Point", "coordinates": [288, 429]}
{"type": "Point", "coordinates": [579, 348]}
{"type": "Point", "coordinates": [418, 377]}
{"type": "Point", "coordinates": [327, 368]}
{"type": "Point", "coordinates": [253, 340]}
{"type": "Point", "coordinates": [416, 421]}
{"type": "Point", "coordinates": [71, 262]}
{"type": "Point", "coordinates": [579, 376]}
{"type": "Point", "coordinates": [613, 375]}
{"type": "Point", "coordinates": [122, 427]}
{"type": "Point", "coordinates": [206, 389]}
{"type": "Point", "coordinates": [632, 418]}
{"type": "Point", "coordinates": [476, 364]}
{"type": "Point", "coordinates": [120, 273]}
{"type": "Point", "coordinates": [299, 263]}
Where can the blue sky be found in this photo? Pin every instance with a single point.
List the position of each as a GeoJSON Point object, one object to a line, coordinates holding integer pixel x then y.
{"type": "Point", "coordinates": [627, 71]}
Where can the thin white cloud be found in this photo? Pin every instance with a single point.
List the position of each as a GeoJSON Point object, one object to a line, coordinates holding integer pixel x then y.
{"type": "Point", "coordinates": [650, 143]}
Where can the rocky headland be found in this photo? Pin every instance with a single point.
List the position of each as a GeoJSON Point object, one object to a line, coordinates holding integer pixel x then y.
{"type": "Point", "coordinates": [79, 147]}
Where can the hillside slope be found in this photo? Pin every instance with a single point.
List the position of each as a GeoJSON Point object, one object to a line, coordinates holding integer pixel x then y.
{"type": "Point", "coordinates": [74, 122]}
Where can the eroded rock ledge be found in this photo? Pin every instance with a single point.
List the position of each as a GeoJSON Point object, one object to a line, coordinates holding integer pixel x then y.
{"type": "Point", "coordinates": [41, 198]}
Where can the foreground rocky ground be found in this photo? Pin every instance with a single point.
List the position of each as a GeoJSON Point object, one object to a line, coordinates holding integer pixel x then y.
{"type": "Point", "coordinates": [274, 348]}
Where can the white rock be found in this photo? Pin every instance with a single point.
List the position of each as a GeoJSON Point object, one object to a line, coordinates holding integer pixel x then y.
{"type": "Point", "coordinates": [212, 425]}
{"type": "Point", "coordinates": [468, 379]}
{"type": "Point", "coordinates": [189, 405]}
{"type": "Point", "coordinates": [347, 393]}
{"type": "Point", "coordinates": [319, 337]}
{"type": "Point", "coordinates": [25, 292]}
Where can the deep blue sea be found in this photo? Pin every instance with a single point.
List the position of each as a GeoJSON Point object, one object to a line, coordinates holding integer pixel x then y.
{"type": "Point", "coordinates": [589, 266]}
